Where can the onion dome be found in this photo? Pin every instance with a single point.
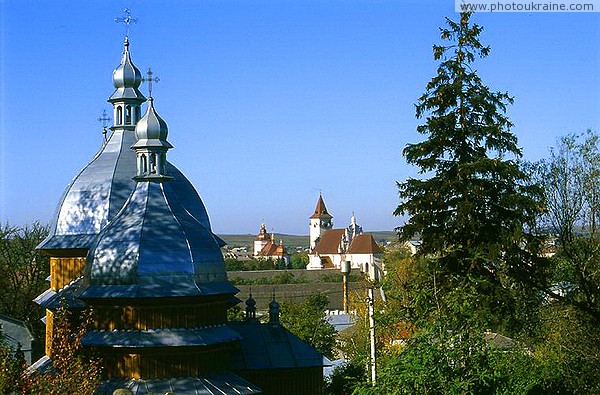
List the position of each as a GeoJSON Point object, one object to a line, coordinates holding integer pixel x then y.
{"type": "Point", "coordinates": [151, 130]}
{"type": "Point", "coordinates": [126, 78]}
{"type": "Point", "coordinates": [250, 308]}
{"type": "Point", "coordinates": [274, 312]}
{"type": "Point", "coordinates": [155, 248]}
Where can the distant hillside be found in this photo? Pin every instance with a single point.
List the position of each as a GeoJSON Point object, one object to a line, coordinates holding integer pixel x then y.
{"type": "Point", "coordinates": [293, 241]}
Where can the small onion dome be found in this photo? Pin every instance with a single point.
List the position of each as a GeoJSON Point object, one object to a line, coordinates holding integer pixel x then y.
{"type": "Point", "coordinates": [250, 308]}
{"type": "Point", "coordinates": [126, 75]}
{"type": "Point", "coordinates": [250, 302]}
{"type": "Point", "coordinates": [151, 130]}
{"type": "Point", "coordinates": [273, 312]}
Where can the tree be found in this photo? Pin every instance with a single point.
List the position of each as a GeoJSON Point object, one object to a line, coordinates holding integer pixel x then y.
{"type": "Point", "coordinates": [571, 180]}
{"type": "Point", "coordinates": [299, 260]}
{"type": "Point", "coordinates": [74, 371]}
{"type": "Point", "coordinates": [307, 321]}
{"type": "Point", "coordinates": [471, 211]}
{"type": "Point", "coordinates": [24, 272]}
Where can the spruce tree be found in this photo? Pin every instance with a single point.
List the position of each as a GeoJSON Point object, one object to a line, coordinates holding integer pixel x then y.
{"type": "Point", "coordinates": [473, 200]}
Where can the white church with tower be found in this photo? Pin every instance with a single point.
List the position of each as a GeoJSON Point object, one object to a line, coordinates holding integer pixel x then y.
{"type": "Point", "coordinates": [330, 247]}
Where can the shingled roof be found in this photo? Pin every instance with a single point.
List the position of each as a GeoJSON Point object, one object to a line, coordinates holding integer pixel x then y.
{"type": "Point", "coordinates": [364, 244]}
{"type": "Point", "coordinates": [330, 242]}
{"type": "Point", "coordinates": [321, 210]}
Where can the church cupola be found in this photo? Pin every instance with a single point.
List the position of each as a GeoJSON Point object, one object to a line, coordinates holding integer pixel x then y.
{"type": "Point", "coordinates": [127, 98]}
{"type": "Point", "coordinates": [250, 308]}
{"type": "Point", "coordinates": [274, 312]}
{"type": "Point", "coordinates": [151, 146]}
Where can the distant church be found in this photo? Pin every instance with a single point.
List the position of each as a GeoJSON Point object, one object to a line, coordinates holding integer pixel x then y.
{"type": "Point", "coordinates": [265, 247]}
{"type": "Point", "coordinates": [132, 239]}
{"type": "Point", "coordinates": [330, 247]}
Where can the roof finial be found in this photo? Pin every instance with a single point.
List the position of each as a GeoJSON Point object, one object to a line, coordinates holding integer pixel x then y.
{"type": "Point", "coordinates": [150, 79]}
{"type": "Point", "coordinates": [104, 119]}
{"type": "Point", "coordinates": [127, 20]}
{"type": "Point", "coordinates": [274, 311]}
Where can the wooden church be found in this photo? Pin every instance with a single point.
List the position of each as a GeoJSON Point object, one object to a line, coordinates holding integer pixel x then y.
{"type": "Point", "coordinates": [132, 239]}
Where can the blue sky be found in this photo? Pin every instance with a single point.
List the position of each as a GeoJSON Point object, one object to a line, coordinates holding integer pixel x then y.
{"type": "Point", "coordinates": [269, 102]}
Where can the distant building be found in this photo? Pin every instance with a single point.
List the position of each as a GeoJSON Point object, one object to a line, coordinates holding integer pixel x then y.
{"type": "Point", "coordinates": [330, 247]}
{"type": "Point", "coordinates": [265, 247]}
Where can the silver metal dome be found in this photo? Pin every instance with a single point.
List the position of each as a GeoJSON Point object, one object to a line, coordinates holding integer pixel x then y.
{"type": "Point", "coordinates": [127, 78]}
{"type": "Point", "coordinates": [151, 130]}
{"type": "Point", "coordinates": [99, 191]}
{"type": "Point", "coordinates": [154, 242]}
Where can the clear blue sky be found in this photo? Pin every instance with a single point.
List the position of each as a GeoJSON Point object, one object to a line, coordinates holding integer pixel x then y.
{"type": "Point", "coordinates": [269, 102]}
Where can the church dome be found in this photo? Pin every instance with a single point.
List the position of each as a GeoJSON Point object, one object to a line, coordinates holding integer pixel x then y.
{"type": "Point", "coordinates": [151, 129]}
{"type": "Point", "coordinates": [97, 193]}
{"type": "Point", "coordinates": [155, 248]}
{"type": "Point", "coordinates": [127, 75]}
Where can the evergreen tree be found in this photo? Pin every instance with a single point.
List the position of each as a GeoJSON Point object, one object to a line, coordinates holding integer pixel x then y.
{"type": "Point", "coordinates": [471, 211]}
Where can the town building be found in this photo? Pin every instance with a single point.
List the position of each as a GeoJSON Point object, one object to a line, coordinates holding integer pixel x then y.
{"type": "Point", "coordinates": [132, 240]}
{"type": "Point", "coordinates": [265, 247]}
{"type": "Point", "coordinates": [330, 247]}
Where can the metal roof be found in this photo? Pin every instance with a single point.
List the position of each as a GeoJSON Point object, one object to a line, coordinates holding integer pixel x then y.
{"type": "Point", "coordinates": [214, 384]}
{"type": "Point", "coordinates": [174, 337]}
{"type": "Point", "coordinates": [266, 346]}
{"type": "Point", "coordinates": [100, 190]}
{"type": "Point", "coordinates": [154, 240]}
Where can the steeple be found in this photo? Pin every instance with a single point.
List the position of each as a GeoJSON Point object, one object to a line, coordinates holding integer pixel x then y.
{"type": "Point", "coordinates": [152, 145]}
{"type": "Point", "coordinates": [321, 210]}
{"type": "Point", "coordinates": [320, 222]}
{"type": "Point", "coordinates": [127, 98]}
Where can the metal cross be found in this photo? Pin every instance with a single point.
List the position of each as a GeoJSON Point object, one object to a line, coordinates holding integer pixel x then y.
{"type": "Point", "coordinates": [150, 79]}
{"type": "Point", "coordinates": [127, 20]}
{"type": "Point", "coordinates": [104, 119]}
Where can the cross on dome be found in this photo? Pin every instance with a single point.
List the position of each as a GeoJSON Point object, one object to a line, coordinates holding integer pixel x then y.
{"type": "Point", "coordinates": [127, 20]}
{"type": "Point", "coordinates": [150, 79]}
{"type": "Point", "coordinates": [104, 119]}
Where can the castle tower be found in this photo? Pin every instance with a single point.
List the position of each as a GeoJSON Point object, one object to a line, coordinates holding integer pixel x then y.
{"type": "Point", "coordinates": [320, 222]}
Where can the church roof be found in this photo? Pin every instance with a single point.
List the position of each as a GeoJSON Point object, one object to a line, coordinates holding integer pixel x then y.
{"type": "Point", "coordinates": [330, 242]}
{"type": "Point", "coordinates": [212, 384]}
{"type": "Point", "coordinates": [100, 189]}
{"type": "Point", "coordinates": [265, 346]}
{"type": "Point", "coordinates": [321, 210]}
{"type": "Point", "coordinates": [178, 337]}
{"type": "Point", "coordinates": [155, 242]}
{"type": "Point", "coordinates": [273, 249]}
{"type": "Point", "coordinates": [364, 244]}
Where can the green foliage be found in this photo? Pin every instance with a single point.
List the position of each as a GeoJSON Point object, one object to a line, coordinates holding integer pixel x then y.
{"type": "Point", "coordinates": [571, 179]}
{"type": "Point", "coordinates": [471, 210]}
{"type": "Point", "coordinates": [307, 321]}
{"type": "Point", "coordinates": [299, 260]}
{"type": "Point", "coordinates": [345, 379]}
{"type": "Point", "coordinates": [24, 272]}
{"type": "Point", "coordinates": [232, 265]}
{"type": "Point", "coordinates": [282, 277]}
{"type": "Point", "coordinates": [11, 366]}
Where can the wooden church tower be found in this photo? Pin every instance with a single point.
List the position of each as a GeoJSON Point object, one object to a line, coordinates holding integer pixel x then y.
{"type": "Point", "coordinates": [132, 239]}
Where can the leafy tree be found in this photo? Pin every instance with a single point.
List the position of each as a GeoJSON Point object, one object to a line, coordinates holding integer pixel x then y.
{"type": "Point", "coordinates": [307, 321]}
{"type": "Point", "coordinates": [571, 180]}
{"type": "Point", "coordinates": [74, 371]}
{"type": "Point", "coordinates": [471, 210]}
{"type": "Point", "coordinates": [299, 260]}
{"type": "Point", "coordinates": [24, 272]}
